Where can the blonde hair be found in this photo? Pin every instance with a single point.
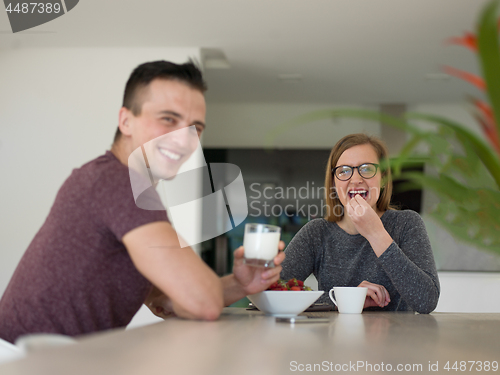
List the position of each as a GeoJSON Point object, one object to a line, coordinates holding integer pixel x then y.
{"type": "Point", "coordinates": [332, 200]}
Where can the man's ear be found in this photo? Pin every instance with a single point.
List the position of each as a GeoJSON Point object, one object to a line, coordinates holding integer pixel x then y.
{"type": "Point", "coordinates": [124, 120]}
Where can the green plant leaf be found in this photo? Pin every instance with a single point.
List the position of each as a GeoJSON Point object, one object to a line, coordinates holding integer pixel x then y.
{"type": "Point", "coordinates": [483, 150]}
{"type": "Point", "coordinates": [405, 156]}
{"type": "Point", "coordinates": [470, 215]}
{"type": "Point", "coordinates": [489, 55]}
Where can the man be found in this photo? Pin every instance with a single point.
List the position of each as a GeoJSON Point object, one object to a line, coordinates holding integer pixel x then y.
{"type": "Point", "coordinates": [98, 256]}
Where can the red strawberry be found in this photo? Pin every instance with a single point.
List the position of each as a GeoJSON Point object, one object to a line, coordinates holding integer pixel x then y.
{"type": "Point", "coordinates": [292, 284]}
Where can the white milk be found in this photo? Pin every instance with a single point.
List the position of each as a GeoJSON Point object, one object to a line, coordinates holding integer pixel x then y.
{"type": "Point", "coordinates": [261, 245]}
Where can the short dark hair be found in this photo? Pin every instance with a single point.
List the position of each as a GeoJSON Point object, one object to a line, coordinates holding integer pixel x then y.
{"type": "Point", "coordinates": [144, 74]}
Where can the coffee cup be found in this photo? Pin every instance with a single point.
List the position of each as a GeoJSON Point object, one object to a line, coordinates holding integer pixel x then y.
{"type": "Point", "coordinates": [349, 299]}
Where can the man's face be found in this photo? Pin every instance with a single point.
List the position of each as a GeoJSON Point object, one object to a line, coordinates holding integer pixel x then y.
{"type": "Point", "coordinates": [169, 125]}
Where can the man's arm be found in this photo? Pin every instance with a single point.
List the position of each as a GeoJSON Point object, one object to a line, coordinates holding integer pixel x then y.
{"type": "Point", "coordinates": [193, 288]}
{"type": "Point", "coordinates": [243, 281]}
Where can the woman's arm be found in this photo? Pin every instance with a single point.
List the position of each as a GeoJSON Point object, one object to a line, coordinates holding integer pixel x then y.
{"type": "Point", "coordinates": [410, 265]}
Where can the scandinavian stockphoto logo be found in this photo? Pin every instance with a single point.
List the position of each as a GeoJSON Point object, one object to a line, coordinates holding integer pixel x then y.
{"type": "Point", "coordinates": [24, 15]}
{"type": "Point", "coordinates": [174, 167]}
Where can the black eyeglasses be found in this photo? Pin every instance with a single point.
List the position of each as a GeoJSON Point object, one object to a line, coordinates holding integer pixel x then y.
{"type": "Point", "coordinates": [366, 170]}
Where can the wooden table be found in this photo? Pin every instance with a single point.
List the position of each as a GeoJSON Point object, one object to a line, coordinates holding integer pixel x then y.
{"type": "Point", "coordinates": [247, 342]}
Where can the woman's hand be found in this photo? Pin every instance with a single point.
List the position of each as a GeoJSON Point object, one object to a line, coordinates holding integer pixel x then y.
{"type": "Point", "coordinates": [368, 224]}
{"type": "Point", "coordinates": [376, 295]}
{"type": "Point", "coordinates": [363, 216]}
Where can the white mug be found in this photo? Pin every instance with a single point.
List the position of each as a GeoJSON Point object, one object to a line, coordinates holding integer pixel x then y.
{"type": "Point", "coordinates": [350, 299]}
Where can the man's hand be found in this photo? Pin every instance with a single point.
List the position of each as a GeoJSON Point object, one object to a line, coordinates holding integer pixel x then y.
{"type": "Point", "coordinates": [247, 279]}
{"type": "Point", "coordinates": [159, 304]}
{"type": "Point", "coordinates": [256, 279]}
{"type": "Point", "coordinates": [376, 295]}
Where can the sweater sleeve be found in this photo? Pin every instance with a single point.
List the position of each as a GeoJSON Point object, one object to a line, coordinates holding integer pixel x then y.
{"type": "Point", "coordinates": [410, 266]}
{"type": "Point", "coordinates": [300, 254]}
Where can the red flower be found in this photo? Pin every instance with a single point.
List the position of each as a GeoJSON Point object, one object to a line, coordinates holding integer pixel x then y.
{"type": "Point", "coordinates": [466, 76]}
{"type": "Point", "coordinates": [469, 41]}
{"type": "Point", "coordinates": [484, 115]}
{"type": "Point", "coordinates": [482, 111]}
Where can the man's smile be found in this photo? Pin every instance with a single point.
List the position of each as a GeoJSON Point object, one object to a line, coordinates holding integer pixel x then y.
{"type": "Point", "coordinates": [170, 154]}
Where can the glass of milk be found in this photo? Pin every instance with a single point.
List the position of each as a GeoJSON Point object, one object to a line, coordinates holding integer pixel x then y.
{"type": "Point", "coordinates": [261, 244]}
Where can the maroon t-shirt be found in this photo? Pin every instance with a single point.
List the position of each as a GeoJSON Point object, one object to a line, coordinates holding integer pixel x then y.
{"type": "Point", "coordinates": [76, 276]}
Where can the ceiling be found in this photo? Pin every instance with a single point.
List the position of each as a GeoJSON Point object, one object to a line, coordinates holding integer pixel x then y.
{"type": "Point", "coordinates": [346, 51]}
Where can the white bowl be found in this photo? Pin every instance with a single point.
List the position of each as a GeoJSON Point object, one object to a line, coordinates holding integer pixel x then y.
{"type": "Point", "coordinates": [284, 302]}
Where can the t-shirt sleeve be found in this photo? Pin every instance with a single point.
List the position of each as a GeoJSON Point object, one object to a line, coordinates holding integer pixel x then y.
{"type": "Point", "coordinates": [410, 265]}
{"type": "Point", "coordinates": [115, 207]}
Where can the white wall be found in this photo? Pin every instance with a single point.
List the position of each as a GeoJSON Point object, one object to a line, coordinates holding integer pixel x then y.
{"type": "Point", "coordinates": [246, 125]}
{"type": "Point", "coordinates": [58, 110]}
{"type": "Point", "coordinates": [458, 112]}
{"type": "Point", "coordinates": [469, 292]}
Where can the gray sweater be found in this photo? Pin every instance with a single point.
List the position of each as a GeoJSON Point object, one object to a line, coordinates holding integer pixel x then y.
{"type": "Point", "coordinates": [406, 269]}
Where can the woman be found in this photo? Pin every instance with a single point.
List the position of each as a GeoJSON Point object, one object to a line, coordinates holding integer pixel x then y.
{"type": "Point", "coordinates": [362, 241]}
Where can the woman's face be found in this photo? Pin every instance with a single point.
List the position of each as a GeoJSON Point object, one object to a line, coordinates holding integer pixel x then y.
{"type": "Point", "coordinates": [368, 188]}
